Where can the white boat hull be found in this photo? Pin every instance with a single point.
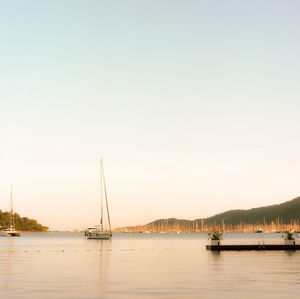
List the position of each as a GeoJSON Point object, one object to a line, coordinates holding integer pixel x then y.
{"type": "Point", "coordinates": [102, 235]}
{"type": "Point", "coordinates": [10, 233]}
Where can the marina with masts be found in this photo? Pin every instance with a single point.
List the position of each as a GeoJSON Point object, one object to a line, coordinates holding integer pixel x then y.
{"type": "Point", "coordinates": [173, 225]}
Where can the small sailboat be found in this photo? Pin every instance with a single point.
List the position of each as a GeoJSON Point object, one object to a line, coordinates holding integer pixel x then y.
{"type": "Point", "coordinates": [98, 232]}
{"type": "Point", "coordinates": [10, 231]}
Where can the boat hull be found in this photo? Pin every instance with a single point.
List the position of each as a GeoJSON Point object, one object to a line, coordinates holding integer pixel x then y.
{"type": "Point", "coordinates": [14, 234]}
{"type": "Point", "coordinates": [101, 235]}
{"type": "Point", "coordinates": [10, 234]}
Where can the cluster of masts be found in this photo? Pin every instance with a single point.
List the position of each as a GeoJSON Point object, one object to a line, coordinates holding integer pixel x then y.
{"type": "Point", "coordinates": [199, 226]}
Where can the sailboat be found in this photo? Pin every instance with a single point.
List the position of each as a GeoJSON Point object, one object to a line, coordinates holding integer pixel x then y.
{"type": "Point", "coordinates": [98, 232]}
{"type": "Point", "coordinates": [10, 231]}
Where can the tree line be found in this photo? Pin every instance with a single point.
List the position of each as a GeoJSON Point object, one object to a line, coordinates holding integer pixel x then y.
{"type": "Point", "coordinates": [21, 223]}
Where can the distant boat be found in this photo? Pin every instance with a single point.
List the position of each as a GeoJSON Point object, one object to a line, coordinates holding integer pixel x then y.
{"type": "Point", "coordinates": [10, 231]}
{"type": "Point", "coordinates": [258, 230]}
{"type": "Point", "coordinates": [98, 231]}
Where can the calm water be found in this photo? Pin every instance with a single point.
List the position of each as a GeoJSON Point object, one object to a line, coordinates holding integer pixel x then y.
{"type": "Point", "coordinates": [65, 265]}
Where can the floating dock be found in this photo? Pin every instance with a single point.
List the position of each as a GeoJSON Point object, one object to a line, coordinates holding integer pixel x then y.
{"type": "Point", "coordinates": [253, 247]}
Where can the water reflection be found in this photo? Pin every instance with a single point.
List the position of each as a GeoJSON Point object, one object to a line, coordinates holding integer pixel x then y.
{"type": "Point", "coordinates": [290, 252]}
{"type": "Point", "coordinates": [104, 247]}
{"type": "Point", "coordinates": [6, 263]}
{"type": "Point", "coordinates": [71, 269]}
{"type": "Point", "coordinates": [215, 254]}
{"type": "Point", "coordinates": [65, 265]}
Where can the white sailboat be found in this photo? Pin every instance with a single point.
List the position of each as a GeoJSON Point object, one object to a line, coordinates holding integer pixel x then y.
{"type": "Point", "coordinates": [98, 232]}
{"type": "Point", "coordinates": [10, 231]}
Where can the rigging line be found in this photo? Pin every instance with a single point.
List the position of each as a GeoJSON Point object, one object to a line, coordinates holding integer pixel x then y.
{"type": "Point", "coordinates": [106, 197]}
{"type": "Point", "coordinates": [101, 221]}
{"type": "Point", "coordinates": [11, 208]}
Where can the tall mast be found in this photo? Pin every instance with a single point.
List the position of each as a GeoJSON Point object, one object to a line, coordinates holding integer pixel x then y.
{"type": "Point", "coordinates": [106, 198]}
{"type": "Point", "coordinates": [11, 220]}
{"type": "Point", "coordinates": [101, 173]}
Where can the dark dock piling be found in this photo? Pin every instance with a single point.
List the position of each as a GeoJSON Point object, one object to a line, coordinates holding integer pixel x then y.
{"type": "Point", "coordinates": [253, 247]}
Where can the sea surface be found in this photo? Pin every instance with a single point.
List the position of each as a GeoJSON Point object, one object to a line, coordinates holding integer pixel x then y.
{"type": "Point", "coordinates": [66, 265]}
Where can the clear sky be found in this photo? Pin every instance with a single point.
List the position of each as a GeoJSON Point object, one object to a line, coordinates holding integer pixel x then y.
{"type": "Point", "coordinates": [193, 105]}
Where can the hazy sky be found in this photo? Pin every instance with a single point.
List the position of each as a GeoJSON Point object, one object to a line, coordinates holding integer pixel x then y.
{"type": "Point", "coordinates": [193, 105]}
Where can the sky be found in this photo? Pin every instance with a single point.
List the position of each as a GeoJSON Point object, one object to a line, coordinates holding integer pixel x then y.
{"type": "Point", "coordinates": [193, 106]}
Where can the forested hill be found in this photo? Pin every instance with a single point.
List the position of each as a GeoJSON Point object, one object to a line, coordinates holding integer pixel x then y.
{"type": "Point", "coordinates": [285, 212]}
{"type": "Point", "coordinates": [271, 217]}
{"type": "Point", "coordinates": [21, 223]}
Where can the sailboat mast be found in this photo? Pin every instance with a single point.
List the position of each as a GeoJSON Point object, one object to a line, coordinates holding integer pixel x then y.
{"type": "Point", "coordinates": [11, 220]}
{"type": "Point", "coordinates": [106, 199]}
{"type": "Point", "coordinates": [101, 183]}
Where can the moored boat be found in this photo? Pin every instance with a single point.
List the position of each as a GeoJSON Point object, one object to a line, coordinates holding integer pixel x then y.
{"type": "Point", "coordinates": [98, 232]}
{"type": "Point", "coordinates": [10, 231]}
